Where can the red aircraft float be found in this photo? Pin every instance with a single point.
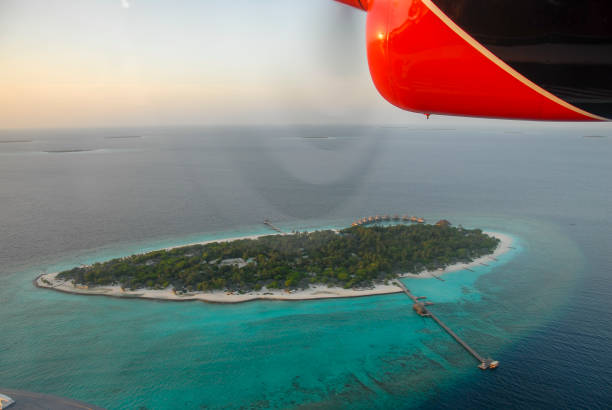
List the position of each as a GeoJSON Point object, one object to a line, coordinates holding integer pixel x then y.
{"type": "Point", "coordinates": [515, 59]}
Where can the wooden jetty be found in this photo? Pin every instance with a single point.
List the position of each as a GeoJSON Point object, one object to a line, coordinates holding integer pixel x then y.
{"type": "Point", "coordinates": [437, 277]}
{"type": "Point", "coordinates": [271, 226]}
{"type": "Point", "coordinates": [419, 307]}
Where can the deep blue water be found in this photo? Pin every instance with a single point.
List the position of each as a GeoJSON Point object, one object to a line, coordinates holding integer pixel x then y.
{"type": "Point", "coordinates": [543, 310]}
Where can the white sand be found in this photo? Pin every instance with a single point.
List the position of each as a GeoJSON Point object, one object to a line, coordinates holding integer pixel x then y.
{"type": "Point", "coordinates": [225, 240]}
{"type": "Point", "coordinates": [51, 281]}
{"type": "Point", "coordinates": [503, 247]}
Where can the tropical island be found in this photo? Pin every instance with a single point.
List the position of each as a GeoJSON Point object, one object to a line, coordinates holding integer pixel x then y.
{"type": "Point", "coordinates": [355, 261]}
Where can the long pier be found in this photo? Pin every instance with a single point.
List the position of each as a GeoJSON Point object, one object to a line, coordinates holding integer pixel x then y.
{"type": "Point", "coordinates": [437, 277]}
{"type": "Point", "coordinates": [485, 363]}
{"type": "Point", "coordinates": [271, 226]}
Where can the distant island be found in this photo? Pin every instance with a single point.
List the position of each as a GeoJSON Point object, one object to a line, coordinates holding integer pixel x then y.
{"type": "Point", "coordinates": [14, 141]}
{"type": "Point", "coordinates": [68, 151]}
{"type": "Point", "coordinates": [355, 261]}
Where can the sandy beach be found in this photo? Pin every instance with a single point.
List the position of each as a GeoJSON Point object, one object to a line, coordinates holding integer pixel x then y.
{"type": "Point", "coordinates": [50, 281]}
{"type": "Point", "coordinates": [504, 246]}
{"type": "Point", "coordinates": [237, 238]}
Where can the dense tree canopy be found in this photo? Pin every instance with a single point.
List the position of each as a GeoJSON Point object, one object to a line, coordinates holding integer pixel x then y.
{"type": "Point", "coordinates": [354, 257]}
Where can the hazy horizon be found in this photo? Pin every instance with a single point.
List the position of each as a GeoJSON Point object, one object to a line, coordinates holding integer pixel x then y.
{"type": "Point", "coordinates": [67, 64]}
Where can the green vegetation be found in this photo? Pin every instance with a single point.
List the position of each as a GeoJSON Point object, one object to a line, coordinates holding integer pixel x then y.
{"type": "Point", "coordinates": [354, 257]}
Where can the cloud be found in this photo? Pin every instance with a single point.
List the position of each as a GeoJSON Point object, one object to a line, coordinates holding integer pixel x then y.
{"type": "Point", "coordinates": [125, 4]}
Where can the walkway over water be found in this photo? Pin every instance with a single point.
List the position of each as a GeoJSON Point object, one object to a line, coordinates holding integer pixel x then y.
{"type": "Point", "coordinates": [419, 307]}
{"type": "Point", "coordinates": [271, 226]}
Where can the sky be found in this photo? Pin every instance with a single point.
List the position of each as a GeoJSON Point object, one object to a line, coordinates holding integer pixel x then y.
{"type": "Point", "coordinates": [76, 63]}
{"type": "Point", "coordinates": [113, 63]}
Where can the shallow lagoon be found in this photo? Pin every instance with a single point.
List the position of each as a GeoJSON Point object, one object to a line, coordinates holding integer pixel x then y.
{"type": "Point", "coordinates": [371, 351]}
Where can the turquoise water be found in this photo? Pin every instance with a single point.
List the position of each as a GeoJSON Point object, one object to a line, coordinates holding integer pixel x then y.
{"type": "Point", "coordinates": [543, 310]}
{"type": "Point", "coordinates": [370, 352]}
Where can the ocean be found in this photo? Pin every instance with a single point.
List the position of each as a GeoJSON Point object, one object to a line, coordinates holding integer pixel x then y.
{"type": "Point", "coordinates": [69, 197]}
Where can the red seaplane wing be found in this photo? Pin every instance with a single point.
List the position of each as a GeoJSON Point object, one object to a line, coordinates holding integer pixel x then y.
{"type": "Point", "coordinates": [515, 59]}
